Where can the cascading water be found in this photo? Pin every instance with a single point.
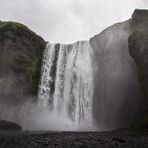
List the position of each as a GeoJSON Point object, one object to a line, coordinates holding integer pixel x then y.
{"type": "Point", "coordinates": [46, 78]}
{"type": "Point", "coordinates": [92, 83]}
{"type": "Point", "coordinates": [66, 82]}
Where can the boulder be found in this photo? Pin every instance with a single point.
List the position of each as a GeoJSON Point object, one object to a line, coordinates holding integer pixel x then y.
{"type": "Point", "coordinates": [8, 125]}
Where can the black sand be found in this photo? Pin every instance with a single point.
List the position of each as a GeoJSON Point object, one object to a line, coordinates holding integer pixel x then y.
{"type": "Point", "coordinates": [34, 139]}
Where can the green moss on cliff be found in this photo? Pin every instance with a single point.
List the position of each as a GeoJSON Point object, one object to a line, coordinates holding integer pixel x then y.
{"type": "Point", "coordinates": [13, 25]}
{"type": "Point", "coordinates": [33, 73]}
{"type": "Point", "coordinates": [20, 59]}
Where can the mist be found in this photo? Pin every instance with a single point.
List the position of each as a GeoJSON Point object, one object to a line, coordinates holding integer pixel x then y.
{"type": "Point", "coordinates": [33, 116]}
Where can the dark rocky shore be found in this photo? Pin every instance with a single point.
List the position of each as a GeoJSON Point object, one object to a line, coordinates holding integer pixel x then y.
{"type": "Point", "coordinates": [120, 138]}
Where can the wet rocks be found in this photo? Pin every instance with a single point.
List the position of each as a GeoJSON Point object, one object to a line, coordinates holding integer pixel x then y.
{"type": "Point", "coordinates": [8, 125]}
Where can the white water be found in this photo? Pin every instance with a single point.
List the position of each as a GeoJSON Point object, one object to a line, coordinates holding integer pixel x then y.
{"type": "Point", "coordinates": [71, 99]}
{"type": "Point", "coordinates": [91, 83]}
{"type": "Point", "coordinates": [48, 58]}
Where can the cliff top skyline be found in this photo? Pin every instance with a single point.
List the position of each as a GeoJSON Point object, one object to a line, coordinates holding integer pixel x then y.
{"type": "Point", "coordinates": [67, 21]}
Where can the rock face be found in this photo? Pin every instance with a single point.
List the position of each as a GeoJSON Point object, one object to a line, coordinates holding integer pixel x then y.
{"type": "Point", "coordinates": [138, 46]}
{"type": "Point", "coordinates": [20, 59]}
{"type": "Point", "coordinates": [7, 125]}
{"type": "Point", "coordinates": [116, 101]}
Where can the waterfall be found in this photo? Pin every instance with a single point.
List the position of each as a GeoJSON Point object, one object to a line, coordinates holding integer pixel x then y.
{"type": "Point", "coordinates": [66, 81]}
{"type": "Point", "coordinates": [92, 83]}
{"type": "Point", "coordinates": [46, 78]}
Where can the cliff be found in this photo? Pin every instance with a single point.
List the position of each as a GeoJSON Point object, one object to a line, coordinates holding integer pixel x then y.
{"type": "Point", "coordinates": [120, 87]}
{"type": "Point", "coordinates": [20, 61]}
{"type": "Point", "coordinates": [138, 47]}
{"type": "Point", "coordinates": [116, 101]}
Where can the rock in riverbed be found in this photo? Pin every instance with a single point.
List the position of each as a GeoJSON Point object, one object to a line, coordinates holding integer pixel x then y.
{"type": "Point", "coordinates": [8, 125]}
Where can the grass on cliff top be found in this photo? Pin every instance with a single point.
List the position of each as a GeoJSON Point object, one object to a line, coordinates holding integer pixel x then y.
{"type": "Point", "coordinates": [13, 25]}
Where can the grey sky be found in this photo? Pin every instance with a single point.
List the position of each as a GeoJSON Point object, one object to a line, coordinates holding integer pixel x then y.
{"type": "Point", "coordinates": [68, 20]}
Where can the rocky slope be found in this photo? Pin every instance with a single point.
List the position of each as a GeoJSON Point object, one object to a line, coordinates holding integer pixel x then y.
{"type": "Point", "coordinates": [138, 46]}
{"type": "Point", "coordinates": [20, 61]}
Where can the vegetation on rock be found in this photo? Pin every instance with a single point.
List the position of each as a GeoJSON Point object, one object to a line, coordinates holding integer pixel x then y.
{"type": "Point", "coordinates": [20, 61]}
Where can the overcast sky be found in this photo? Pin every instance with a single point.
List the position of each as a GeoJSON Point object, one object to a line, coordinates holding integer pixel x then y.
{"type": "Point", "coordinates": [68, 20]}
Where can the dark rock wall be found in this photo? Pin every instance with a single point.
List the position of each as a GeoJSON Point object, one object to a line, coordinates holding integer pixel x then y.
{"type": "Point", "coordinates": [138, 47]}
{"type": "Point", "coordinates": [20, 61]}
{"type": "Point", "coordinates": [116, 100]}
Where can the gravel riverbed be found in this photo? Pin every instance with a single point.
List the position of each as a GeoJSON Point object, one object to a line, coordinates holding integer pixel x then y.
{"type": "Point", "coordinates": [42, 139]}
